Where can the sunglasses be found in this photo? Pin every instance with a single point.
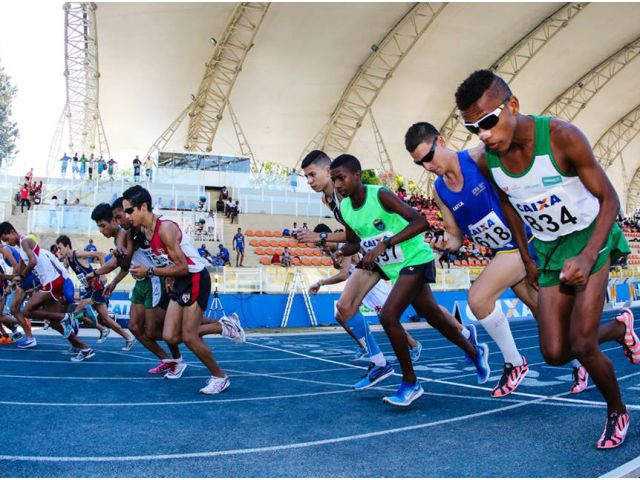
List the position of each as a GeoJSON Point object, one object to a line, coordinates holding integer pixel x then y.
{"type": "Point", "coordinates": [128, 211]}
{"type": "Point", "coordinates": [429, 156]}
{"type": "Point", "coordinates": [487, 122]}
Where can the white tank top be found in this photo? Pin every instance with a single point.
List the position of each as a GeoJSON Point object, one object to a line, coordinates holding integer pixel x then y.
{"type": "Point", "coordinates": [44, 269]}
{"type": "Point", "coordinates": [552, 203]}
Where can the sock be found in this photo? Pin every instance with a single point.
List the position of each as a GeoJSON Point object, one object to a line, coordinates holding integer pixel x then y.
{"type": "Point", "coordinates": [497, 326]}
{"type": "Point", "coordinates": [361, 330]}
{"type": "Point", "coordinates": [575, 363]}
{"type": "Point", "coordinates": [465, 332]}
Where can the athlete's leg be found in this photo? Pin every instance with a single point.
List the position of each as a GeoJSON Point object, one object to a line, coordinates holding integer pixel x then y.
{"type": "Point", "coordinates": [16, 303]}
{"type": "Point", "coordinates": [35, 307]}
{"type": "Point", "coordinates": [191, 319]}
{"type": "Point", "coordinates": [106, 320]}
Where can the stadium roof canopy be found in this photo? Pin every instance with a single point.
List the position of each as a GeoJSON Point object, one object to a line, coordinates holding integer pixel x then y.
{"type": "Point", "coordinates": [152, 59]}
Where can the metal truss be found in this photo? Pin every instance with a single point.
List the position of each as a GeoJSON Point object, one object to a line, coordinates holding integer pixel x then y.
{"type": "Point", "coordinates": [371, 77]}
{"type": "Point", "coordinates": [383, 153]}
{"type": "Point", "coordinates": [568, 105]}
{"type": "Point", "coordinates": [611, 144]}
{"type": "Point", "coordinates": [633, 194]}
{"type": "Point", "coordinates": [221, 73]}
{"type": "Point", "coordinates": [508, 66]}
{"type": "Point", "coordinates": [81, 111]}
{"type": "Point", "coordinates": [245, 148]}
{"type": "Point", "coordinates": [160, 144]}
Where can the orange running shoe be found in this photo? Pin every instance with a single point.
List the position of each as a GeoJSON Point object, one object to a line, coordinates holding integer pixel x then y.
{"type": "Point", "coordinates": [615, 430]}
{"type": "Point", "coordinates": [511, 378]}
{"type": "Point", "coordinates": [580, 380]}
{"type": "Point", "coordinates": [631, 343]}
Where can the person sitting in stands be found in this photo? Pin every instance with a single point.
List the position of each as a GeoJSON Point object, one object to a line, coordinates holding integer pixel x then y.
{"type": "Point", "coordinates": [223, 255]}
{"type": "Point", "coordinates": [286, 258]}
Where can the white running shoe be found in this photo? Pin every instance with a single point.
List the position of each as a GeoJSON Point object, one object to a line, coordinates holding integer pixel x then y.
{"type": "Point", "coordinates": [216, 385]}
{"type": "Point", "coordinates": [104, 333]}
{"type": "Point", "coordinates": [128, 344]}
{"type": "Point", "coordinates": [176, 369]}
{"type": "Point", "coordinates": [232, 329]}
{"type": "Point", "coordinates": [83, 355]}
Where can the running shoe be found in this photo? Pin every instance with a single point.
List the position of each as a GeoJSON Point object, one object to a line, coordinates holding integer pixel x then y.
{"type": "Point", "coordinates": [615, 430]}
{"type": "Point", "coordinates": [359, 354]}
{"type": "Point", "coordinates": [511, 378]}
{"type": "Point", "coordinates": [27, 342]}
{"type": "Point", "coordinates": [473, 339]}
{"type": "Point", "coordinates": [176, 369]}
{"type": "Point", "coordinates": [71, 351]}
{"type": "Point", "coordinates": [216, 385]}
{"type": "Point", "coordinates": [631, 345]}
{"type": "Point", "coordinates": [104, 333]}
{"type": "Point", "coordinates": [128, 344]}
{"type": "Point", "coordinates": [406, 394]}
{"type": "Point", "coordinates": [482, 363]}
{"type": "Point", "coordinates": [415, 352]}
{"type": "Point", "coordinates": [83, 355]}
{"type": "Point", "coordinates": [160, 368]}
{"type": "Point", "coordinates": [374, 375]}
{"type": "Point", "coordinates": [232, 329]}
{"type": "Point", "coordinates": [67, 326]}
{"type": "Point", "coordinates": [90, 313]}
{"type": "Point", "coordinates": [46, 325]}
{"type": "Point", "coordinates": [580, 380]}
{"type": "Point", "coordinates": [16, 337]}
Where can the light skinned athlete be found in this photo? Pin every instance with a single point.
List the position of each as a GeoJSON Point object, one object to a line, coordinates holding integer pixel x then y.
{"type": "Point", "coordinates": [54, 294]}
{"type": "Point", "coordinates": [176, 257]}
{"type": "Point", "coordinates": [316, 167]}
{"type": "Point", "coordinates": [388, 230]}
{"type": "Point", "coordinates": [549, 179]}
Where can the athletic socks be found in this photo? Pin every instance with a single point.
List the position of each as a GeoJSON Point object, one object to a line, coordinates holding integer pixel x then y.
{"type": "Point", "coordinates": [497, 326]}
{"type": "Point", "coordinates": [361, 330]}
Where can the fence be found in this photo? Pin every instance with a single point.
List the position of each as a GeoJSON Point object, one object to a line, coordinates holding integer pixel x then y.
{"type": "Point", "coordinates": [280, 202]}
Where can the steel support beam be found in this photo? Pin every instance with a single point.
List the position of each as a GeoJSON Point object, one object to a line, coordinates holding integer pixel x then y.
{"type": "Point", "coordinates": [569, 103]}
{"type": "Point", "coordinates": [611, 144]}
{"type": "Point", "coordinates": [508, 66]}
{"type": "Point", "coordinates": [383, 153]}
{"type": "Point", "coordinates": [633, 194]}
{"type": "Point", "coordinates": [371, 77]}
{"type": "Point", "coordinates": [221, 73]}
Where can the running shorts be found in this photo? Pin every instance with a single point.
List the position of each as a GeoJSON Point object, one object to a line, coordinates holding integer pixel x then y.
{"type": "Point", "coordinates": [194, 287]}
{"type": "Point", "coordinates": [427, 270]}
{"type": "Point", "coordinates": [150, 292]}
{"type": "Point", "coordinates": [56, 289]}
{"type": "Point", "coordinates": [31, 281]}
{"type": "Point", "coordinates": [374, 300]}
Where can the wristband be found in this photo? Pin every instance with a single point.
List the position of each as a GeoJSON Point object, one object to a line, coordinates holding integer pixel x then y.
{"type": "Point", "coordinates": [387, 243]}
{"type": "Point", "coordinates": [150, 271]}
{"type": "Point", "coordinates": [321, 282]}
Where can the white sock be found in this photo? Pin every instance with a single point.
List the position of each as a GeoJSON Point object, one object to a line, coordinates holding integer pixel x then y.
{"type": "Point", "coordinates": [497, 326]}
{"type": "Point", "coordinates": [575, 363]}
{"type": "Point", "coordinates": [379, 359]}
{"type": "Point", "coordinates": [465, 332]}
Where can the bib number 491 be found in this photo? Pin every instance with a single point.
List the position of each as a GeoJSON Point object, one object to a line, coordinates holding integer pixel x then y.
{"type": "Point", "coordinates": [547, 222]}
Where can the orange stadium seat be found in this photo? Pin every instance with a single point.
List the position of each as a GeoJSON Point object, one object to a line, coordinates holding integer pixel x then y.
{"type": "Point", "coordinates": [259, 251]}
{"type": "Point", "coordinates": [268, 251]}
{"type": "Point", "coordinates": [258, 233]}
{"type": "Point", "coordinates": [307, 252]}
{"type": "Point", "coordinates": [296, 261]}
{"type": "Point", "coordinates": [293, 243]}
{"type": "Point", "coordinates": [298, 251]}
{"type": "Point", "coordinates": [305, 261]}
{"type": "Point", "coordinates": [264, 243]}
{"type": "Point", "coordinates": [316, 251]}
{"type": "Point", "coordinates": [326, 262]}
{"type": "Point", "coordinates": [315, 262]}
{"type": "Point", "coordinates": [265, 261]}
{"type": "Point", "coordinates": [248, 233]}
{"type": "Point", "coordinates": [283, 243]}
{"type": "Point", "coordinates": [279, 251]}
{"type": "Point", "coordinates": [277, 234]}
{"type": "Point", "coordinates": [268, 233]}
{"type": "Point", "coordinates": [254, 243]}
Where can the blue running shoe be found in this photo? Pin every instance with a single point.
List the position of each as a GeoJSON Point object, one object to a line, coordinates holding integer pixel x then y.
{"type": "Point", "coordinates": [374, 375]}
{"type": "Point", "coordinates": [482, 363]}
{"type": "Point", "coordinates": [27, 342]}
{"type": "Point", "coordinates": [359, 354]}
{"type": "Point", "coordinates": [415, 352]}
{"type": "Point", "coordinates": [406, 395]}
{"type": "Point", "coordinates": [75, 325]}
{"type": "Point", "coordinates": [473, 338]}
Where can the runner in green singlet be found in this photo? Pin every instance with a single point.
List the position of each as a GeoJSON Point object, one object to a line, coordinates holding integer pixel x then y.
{"type": "Point", "coordinates": [388, 229]}
{"type": "Point", "coordinates": [548, 177]}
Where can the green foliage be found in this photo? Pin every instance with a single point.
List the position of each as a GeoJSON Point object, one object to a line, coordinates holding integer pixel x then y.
{"type": "Point", "coordinates": [369, 177]}
{"type": "Point", "coordinates": [8, 129]}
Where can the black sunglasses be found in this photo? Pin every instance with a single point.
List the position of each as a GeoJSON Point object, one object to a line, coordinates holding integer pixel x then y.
{"type": "Point", "coordinates": [128, 211]}
{"type": "Point", "coordinates": [489, 121]}
{"type": "Point", "coordinates": [429, 156]}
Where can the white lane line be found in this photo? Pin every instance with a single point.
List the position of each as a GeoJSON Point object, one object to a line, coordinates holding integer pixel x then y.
{"type": "Point", "coordinates": [274, 448]}
{"type": "Point", "coordinates": [631, 469]}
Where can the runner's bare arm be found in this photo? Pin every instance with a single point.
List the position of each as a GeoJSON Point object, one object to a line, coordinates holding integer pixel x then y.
{"type": "Point", "coordinates": [27, 245]}
{"type": "Point", "coordinates": [170, 236]}
{"type": "Point", "coordinates": [453, 236]}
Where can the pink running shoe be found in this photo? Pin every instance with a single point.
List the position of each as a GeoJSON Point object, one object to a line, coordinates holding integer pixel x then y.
{"type": "Point", "coordinates": [631, 344]}
{"type": "Point", "coordinates": [580, 380]}
{"type": "Point", "coordinates": [160, 368]}
{"type": "Point", "coordinates": [615, 430]}
{"type": "Point", "coordinates": [511, 378]}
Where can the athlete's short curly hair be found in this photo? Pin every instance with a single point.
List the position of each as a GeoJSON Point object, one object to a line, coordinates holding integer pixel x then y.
{"type": "Point", "coordinates": [347, 161]}
{"type": "Point", "coordinates": [476, 84]}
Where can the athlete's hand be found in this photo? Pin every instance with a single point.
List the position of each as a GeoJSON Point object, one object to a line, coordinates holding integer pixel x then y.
{"type": "Point", "coordinates": [313, 289]}
{"type": "Point", "coordinates": [575, 271]}
{"type": "Point", "coordinates": [337, 257]}
{"type": "Point", "coordinates": [440, 242]}
{"type": "Point", "coordinates": [108, 290]}
{"type": "Point", "coordinates": [139, 271]}
{"type": "Point", "coordinates": [168, 283]}
{"type": "Point", "coordinates": [307, 236]}
{"type": "Point", "coordinates": [372, 255]}
{"type": "Point", "coordinates": [90, 277]}
{"type": "Point", "coordinates": [531, 270]}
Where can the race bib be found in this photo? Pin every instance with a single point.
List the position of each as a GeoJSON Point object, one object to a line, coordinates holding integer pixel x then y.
{"type": "Point", "coordinates": [490, 232]}
{"type": "Point", "coordinates": [550, 215]}
{"type": "Point", "coordinates": [389, 256]}
{"type": "Point", "coordinates": [156, 260]}
{"type": "Point", "coordinates": [82, 278]}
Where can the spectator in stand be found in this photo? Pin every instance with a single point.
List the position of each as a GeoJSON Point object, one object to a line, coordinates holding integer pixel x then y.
{"type": "Point", "coordinates": [295, 229]}
{"type": "Point", "coordinates": [293, 179]}
{"type": "Point", "coordinates": [111, 167]}
{"type": "Point", "coordinates": [76, 202]}
{"type": "Point", "coordinates": [102, 166]}
{"type": "Point", "coordinates": [65, 162]}
{"type": "Point", "coordinates": [29, 176]}
{"type": "Point", "coordinates": [224, 193]}
{"type": "Point", "coordinates": [228, 207]}
{"type": "Point", "coordinates": [90, 248]}
{"type": "Point", "coordinates": [83, 166]}
{"type": "Point", "coordinates": [275, 259]}
{"type": "Point", "coordinates": [238, 246]}
{"type": "Point", "coordinates": [220, 205]}
{"type": "Point", "coordinates": [136, 169]}
{"type": "Point", "coordinates": [53, 212]}
{"type": "Point", "coordinates": [445, 257]}
{"type": "Point", "coordinates": [24, 198]}
{"type": "Point", "coordinates": [286, 232]}
{"type": "Point", "coordinates": [223, 255]}
{"type": "Point", "coordinates": [286, 257]}
{"type": "Point", "coordinates": [37, 192]}
{"type": "Point", "coordinates": [75, 169]}
{"type": "Point", "coordinates": [92, 164]}
{"type": "Point", "coordinates": [204, 253]}
{"type": "Point", "coordinates": [211, 222]}
{"type": "Point", "coordinates": [148, 168]}
{"type": "Point", "coordinates": [304, 226]}
{"type": "Point", "coordinates": [235, 210]}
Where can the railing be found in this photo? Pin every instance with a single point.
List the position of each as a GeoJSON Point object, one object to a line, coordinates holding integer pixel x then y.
{"type": "Point", "coordinates": [67, 219]}
{"type": "Point", "coordinates": [281, 202]}
{"type": "Point", "coordinates": [191, 224]}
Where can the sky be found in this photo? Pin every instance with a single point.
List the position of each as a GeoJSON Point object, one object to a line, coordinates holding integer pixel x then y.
{"type": "Point", "coordinates": [32, 54]}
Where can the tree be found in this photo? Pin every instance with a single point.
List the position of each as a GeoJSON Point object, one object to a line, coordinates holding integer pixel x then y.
{"type": "Point", "coordinates": [8, 129]}
{"type": "Point", "coordinates": [369, 177]}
